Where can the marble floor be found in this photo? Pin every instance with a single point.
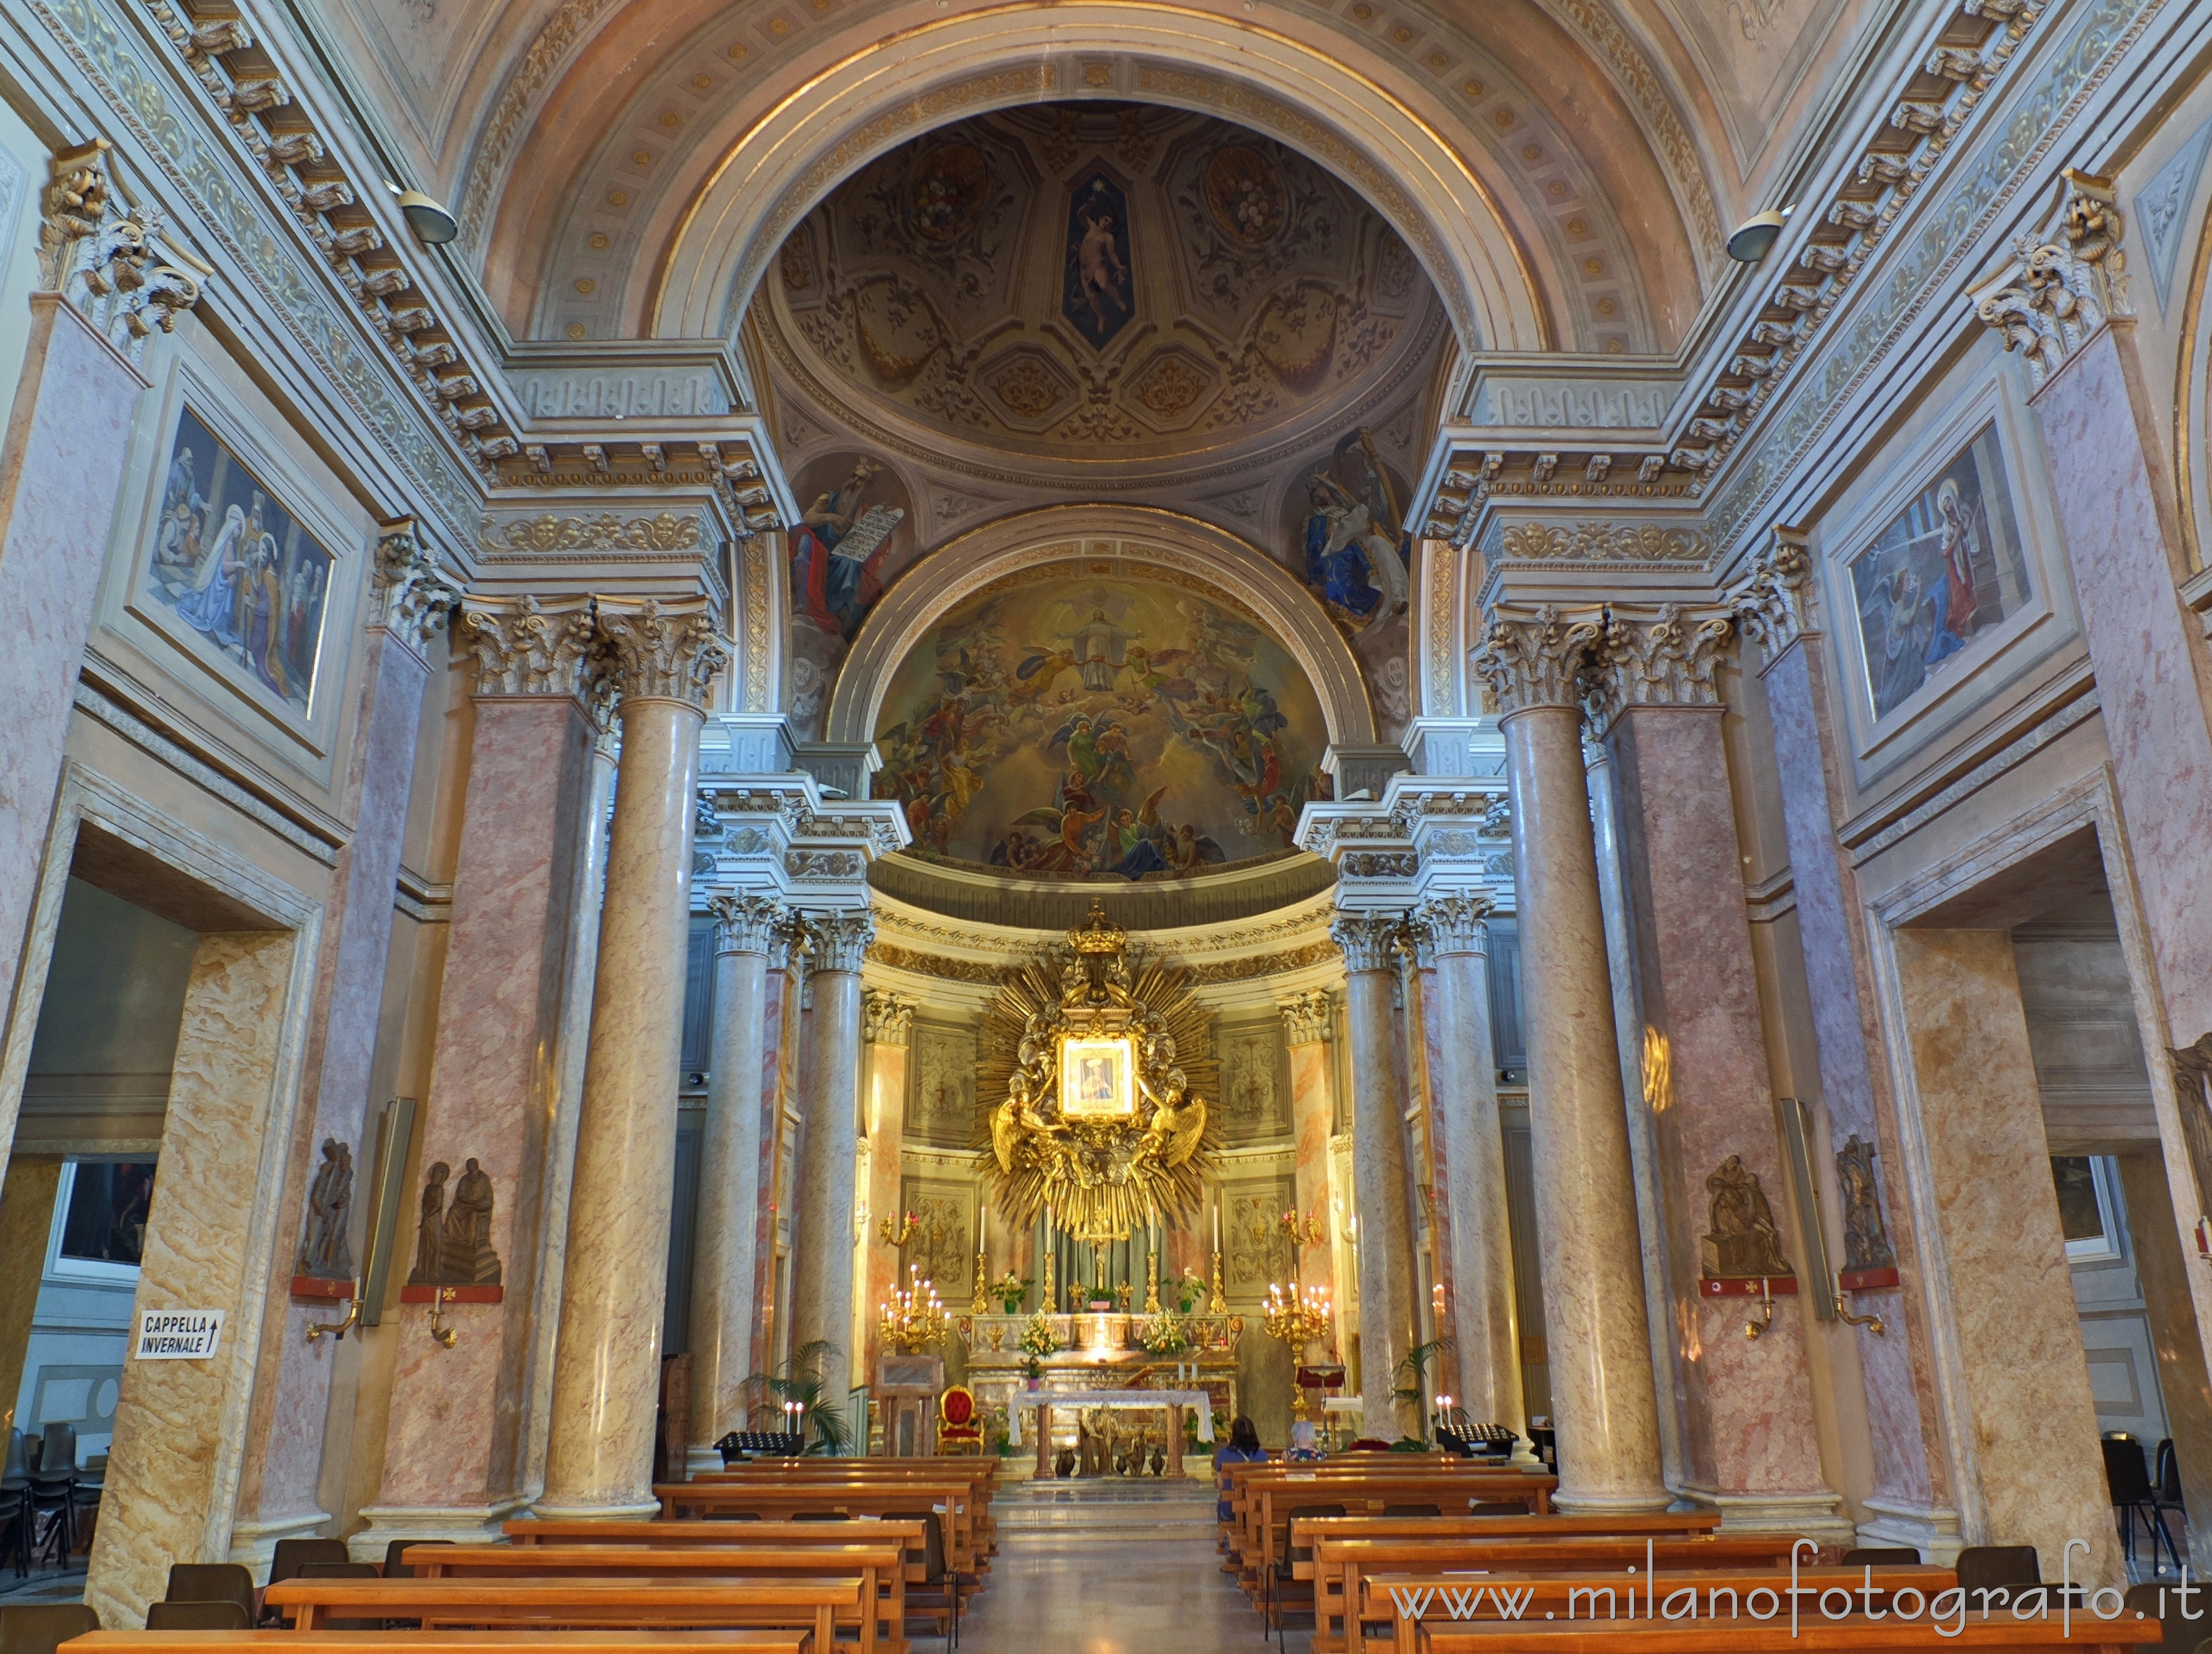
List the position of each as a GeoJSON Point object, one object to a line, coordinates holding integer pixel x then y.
{"type": "Point", "coordinates": [1110, 1567]}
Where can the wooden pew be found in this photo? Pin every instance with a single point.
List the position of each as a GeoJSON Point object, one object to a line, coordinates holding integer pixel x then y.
{"type": "Point", "coordinates": [1553, 1598]}
{"type": "Point", "coordinates": [906, 1531]}
{"type": "Point", "coordinates": [785, 1641]}
{"type": "Point", "coordinates": [850, 1499]}
{"type": "Point", "coordinates": [1257, 1532]}
{"type": "Point", "coordinates": [1819, 1636]}
{"type": "Point", "coordinates": [880, 1564]}
{"type": "Point", "coordinates": [818, 1605]}
{"type": "Point", "coordinates": [1339, 1564]}
{"type": "Point", "coordinates": [974, 1480]}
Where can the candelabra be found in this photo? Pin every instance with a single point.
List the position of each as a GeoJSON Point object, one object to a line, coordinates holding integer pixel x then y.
{"type": "Point", "coordinates": [982, 1303]}
{"type": "Point", "coordinates": [912, 1315]}
{"type": "Point", "coordinates": [1219, 1305]}
{"type": "Point", "coordinates": [896, 1232]}
{"type": "Point", "coordinates": [1152, 1284]}
{"type": "Point", "coordinates": [1297, 1315]}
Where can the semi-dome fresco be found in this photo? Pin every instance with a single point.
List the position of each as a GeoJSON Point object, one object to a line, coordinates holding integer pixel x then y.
{"type": "Point", "coordinates": [1065, 722]}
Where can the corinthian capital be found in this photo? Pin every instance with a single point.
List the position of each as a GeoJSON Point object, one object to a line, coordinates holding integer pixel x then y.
{"type": "Point", "coordinates": [667, 653]}
{"type": "Point", "coordinates": [412, 596]}
{"type": "Point", "coordinates": [1370, 941]}
{"type": "Point", "coordinates": [745, 924]}
{"type": "Point", "coordinates": [841, 940]}
{"type": "Point", "coordinates": [101, 259]}
{"type": "Point", "coordinates": [1454, 923]}
{"type": "Point", "coordinates": [1308, 1018]}
{"type": "Point", "coordinates": [522, 646]}
{"type": "Point", "coordinates": [2065, 286]}
{"type": "Point", "coordinates": [1668, 660]}
{"type": "Point", "coordinates": [1532, 660]}
{"type": "Point", "coordinates": [885, 1018]}
{"type": "Point", "coordinates": [1774, 607]}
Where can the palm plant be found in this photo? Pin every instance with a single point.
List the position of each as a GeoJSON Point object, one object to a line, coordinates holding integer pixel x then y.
{"type": "Point", "coordinates": [801, 1382]}
{"type": "Point", "coordinates": [1411, 1374]}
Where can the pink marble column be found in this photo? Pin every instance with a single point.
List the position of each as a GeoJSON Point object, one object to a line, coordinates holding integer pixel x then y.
{"type": "Point", "coordinates": [788, 950]}
{"type": "Point", "coordinates": [2108, 462]}
{"type": "Point", "coordinates": [606, 1367]}
{"type": "Point", "coordinates": [455, 1465]}
{"type": "Point", "coordinates": [61, 468]}
{"type": "Point", "coordinates": [1477, 1240]}
{"type": "Point", "coordinates": [1388, 1319]}
{"type": "Point", "coordinates": [1595, 1329]}
{"type": "Point", "coordinates": [284, 1435]}
{"type": "Point", "coordinates": [725, 1288]}
{"type": "Point", "coordinates": [886, 1031]}
{"type": "Point", "coordinates": [1912, 1501]}
{"type": "Point", "coordinates": [1751, 1440]}
{"type": "Point", "coordinates": [1309, 1025]}
{"type": "Point", "coordinates": [822, 1240]}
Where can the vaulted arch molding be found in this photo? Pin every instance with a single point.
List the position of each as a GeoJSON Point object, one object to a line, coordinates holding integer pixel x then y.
{"type": "Point", "coordinates": [1335, 112]}
{"type": "Point", "coordinates": [1131, 534]}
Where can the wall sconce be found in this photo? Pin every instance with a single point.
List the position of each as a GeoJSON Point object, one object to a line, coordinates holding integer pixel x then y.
{"type": "Point", "coordinates": [442, 1335]}
{"type": "Point", "coordinates": [1753, 1328]}
{"type": "Point", "coordinates": [338, 1328]}
{"type": "Point", "coordinates": [1844, 1312]}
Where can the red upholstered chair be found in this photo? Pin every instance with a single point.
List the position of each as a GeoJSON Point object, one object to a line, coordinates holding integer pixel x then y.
{"type": "Point", "coordinates": [959, 1426]}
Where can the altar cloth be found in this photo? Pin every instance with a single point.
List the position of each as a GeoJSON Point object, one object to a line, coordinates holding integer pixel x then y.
{"type": "Point", "coordinates": [1197, 1400]}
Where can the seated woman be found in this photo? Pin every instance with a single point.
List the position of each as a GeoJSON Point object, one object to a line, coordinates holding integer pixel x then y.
{"type": "Point", "coordinates": [1243, 1448]}
{"type": "Point", "coordinates": [1305, 1447]}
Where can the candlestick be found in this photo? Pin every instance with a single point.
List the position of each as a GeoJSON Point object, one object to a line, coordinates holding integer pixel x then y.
{"type": "Point", "coordinates": [1220, 1303]}
{"type": "Point", "coordinates": [1152, 1284]}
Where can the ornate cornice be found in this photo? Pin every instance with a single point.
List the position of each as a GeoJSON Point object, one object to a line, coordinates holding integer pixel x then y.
{"type": "Point", "coordinates": [413, 598]}
{"type": "Point", "coordinates": [746, 924]}
{"type": "Point", "coordinates": [885, 1018]}
{"type": "Point", "coordinates": [2064, 286]}
{"type": "Point", "coordinates": [1603, 542]}
{"type": "Point", "coordinates": [523, 647]}
{"type": "Point", "coordinates": [661, 652]}
{"type": "Point", "coordinates": [1774, 606]}
{"type": "Point", "coordinates": [1369, 940]}
{"type": "Point", "coordinates": [1669, 660]}
{"type": "Point", "coordinates": [1454, 924]}
{"type": "Point", "coordinates": [1308, 1019]}
{"type": "Point", "coordinates": [1532, 660]}
{"type": "Point", "coordinates": [841, 940]}
{"type": "Point", "coordinates": [536, 537]}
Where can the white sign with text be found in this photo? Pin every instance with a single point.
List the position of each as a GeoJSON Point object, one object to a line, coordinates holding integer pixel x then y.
{"type": "Point", "coordinates": [178, 1334]}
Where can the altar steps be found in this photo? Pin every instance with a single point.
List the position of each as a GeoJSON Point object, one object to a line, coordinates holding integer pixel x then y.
{"type": "Point", "coordinates": [1137, 1510]}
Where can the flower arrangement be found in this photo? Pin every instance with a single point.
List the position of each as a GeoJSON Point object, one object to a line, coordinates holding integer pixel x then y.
{"type": "Point", "coordinates": [1011, 1290]}
{"type": "Point", "coordinates": [1190, 1287]}
{"type": "Point", "coordinates": [1039, 1337]}
{"type": "Point", "coordinates": [1164, 1334]}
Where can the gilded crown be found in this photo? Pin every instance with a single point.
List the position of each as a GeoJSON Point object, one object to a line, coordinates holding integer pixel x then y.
{"type": "Point", "coordinates": [1099, 934]}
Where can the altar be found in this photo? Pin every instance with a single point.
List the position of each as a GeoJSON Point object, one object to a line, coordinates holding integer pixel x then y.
{"type": "Point", "coordinates": [1174, 1402]}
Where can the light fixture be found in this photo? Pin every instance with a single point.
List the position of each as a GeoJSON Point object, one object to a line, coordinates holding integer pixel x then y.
{"type": "Point", "coordinates": [1750, 240]}
{"type": "Point", "coordinates": [432, 224]}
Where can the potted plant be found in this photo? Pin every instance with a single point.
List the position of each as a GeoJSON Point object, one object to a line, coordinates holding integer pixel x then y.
{"type": "Point", "coordinates": [1190, 1287]}
{"type": "Point", "coordinates": [1011, 1291]}
{"type": "Point", "coordinates": [1039, 1339]}
{"type": "Point", "coordinates": [1033, 1370]}
{"type": "Point", "coordinates": [1163, 1334]}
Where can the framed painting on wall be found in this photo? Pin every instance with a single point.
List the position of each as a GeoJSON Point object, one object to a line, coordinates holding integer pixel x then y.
{"type": "Point", "coordinates": [1946, 568]}
{"type": "Point", "coordinates": [230, 562]}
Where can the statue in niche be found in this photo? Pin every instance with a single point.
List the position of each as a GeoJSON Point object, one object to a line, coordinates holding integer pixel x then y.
{"type": "Point", "coordinates": [466, 1257]}
{"type": "Point", "coordinates": [1866, 1244]}
{"type": "Point", "coordinates": [429, 1229]}
{"type": "Point", "coordinates": [1743, 1243]}
{"type": "Point", "coordinates": [326, 1254]}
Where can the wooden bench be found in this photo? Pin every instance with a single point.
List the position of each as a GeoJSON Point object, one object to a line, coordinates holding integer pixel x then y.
{"type": "Point", "coordinates": [850, 1499]}
{"type": "Point", "coordinates": [906, 1531]}
{"type": "Point", "coordinates": [1339, 1564]}
{"type": "Point", "coordinates": [656, 1604]}
{"type": "Point", "coordinates": [881, 1565]}
{"type": "Point", "coordinates": [447, 1642]}
{"type": "Point", "coordinates": [1444, 1601]}
{"type": "Point", "coordinates": [1857, 1636]}
{"type": "Point", "coordinates": [1256, 1516]}
{"type": "Point", "coordinates": [971, 1482]}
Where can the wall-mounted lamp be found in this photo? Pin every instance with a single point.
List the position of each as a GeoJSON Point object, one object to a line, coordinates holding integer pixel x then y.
{"type": "Point", "coordinates": [1750, 240]}
{"type": "Point", "coordinates": [1752, 1328]}
{"type": "Point", "coordinates": [338, 1328]}
{"type": "Point", "coordinates": [432, 224]}
{"type": "Point", "coordinates": [1844, 1314]}
{"type": "Point", "coordinates": [441, 1334]}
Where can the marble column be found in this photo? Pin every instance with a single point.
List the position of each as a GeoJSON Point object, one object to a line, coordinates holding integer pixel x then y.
{"type": "Point", "coordinates": [285, 1434]}
{"type": "Point", "coordinates": [607, 1366]}
{"type": "Point", "coordinates": [823, 1200]}
{"type": "Point", "coordinates": [789, 949]}
{"type": "Point", "coordinates": [456, 1463]}
{"type": "Point", "coordinates": [2025, 1423]}
{"type": "Point", "coordinates": [1911, 1502]}
{"type": "Point", "coordinates": [1595, 1329]}
{"type": "Point", "coordinates": [1479, 1238]}
{"type": "Point", "coordinates": [1751, 1439]}
{"type": "Point", "coordinates": [1309, 1025]}
{"type": "Point", "coordinates": [887, 1031]}
{"type": "Point", "coordinates": [1388, 1318]}
{"type": "Point", "coordinates": [725, 1286]}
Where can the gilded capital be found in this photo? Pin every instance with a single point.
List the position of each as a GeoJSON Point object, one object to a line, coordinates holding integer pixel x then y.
{"type": "Point", "coordinates": [2064, 286]}
{"type": "Point", "coordinates": [1532, 660]}
{"type": "Point", "coordinates": [665, 652]}
{"type": "Point", "coordinates": [885, 1018]}
{"type": "Point", "coordinates": [413, 597]}
{"type": "Point", "coordinates": [841, 940]}
{"type": "Point", "coordinates": [1774, 607]}
{"type": "Point", "coordinates": [1454, 923]}
{"type": "Point", "coordinates": [1668, 660]}
{"type": "Point", "coordinates": [101, 259]}
{"type": "Point", "coordinates": [1308, 1019]}
{"type": "Point", "coordinates": [745, 924]}
{"type": "Point", "coordinates": [523, 647]}
{"type": "Point", "coordinates": [1370, 941]}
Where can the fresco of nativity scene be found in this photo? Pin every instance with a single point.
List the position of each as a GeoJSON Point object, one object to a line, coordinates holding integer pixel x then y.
{"type": "Point", "coordinates": [1061, 726]}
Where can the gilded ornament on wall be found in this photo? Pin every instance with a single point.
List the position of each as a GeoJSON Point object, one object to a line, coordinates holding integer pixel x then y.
{"type": "Point", "coordinates": [1102, 1063]}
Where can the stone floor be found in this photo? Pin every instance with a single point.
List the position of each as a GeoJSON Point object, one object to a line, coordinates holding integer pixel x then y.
{"type": "Point", "coordinates": [1110, 1567]}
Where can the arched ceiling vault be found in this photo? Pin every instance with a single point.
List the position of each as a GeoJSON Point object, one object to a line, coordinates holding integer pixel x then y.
{"type": "Point", "coordinates": [634, 170]}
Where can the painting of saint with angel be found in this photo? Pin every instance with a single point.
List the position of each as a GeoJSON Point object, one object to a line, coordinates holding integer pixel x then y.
{"type": "Point", "coordinates": [1947, 570]}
